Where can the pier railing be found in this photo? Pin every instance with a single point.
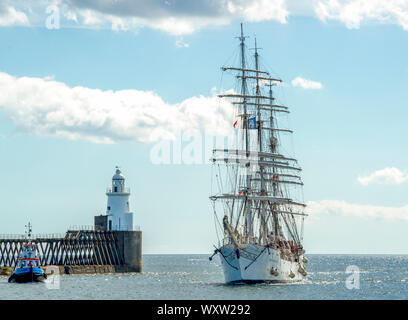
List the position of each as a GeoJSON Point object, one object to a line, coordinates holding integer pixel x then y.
{"type": "Point", "coordinates": [6, 236]}
{"type": "Point", "coordinates": [124, 190]}
{"type": "Point", "coordinates": [82, 227]}
{"type": "Point", "coordinates": [92, 228]}
{"type": "Point", "coordinates": [76, 247]}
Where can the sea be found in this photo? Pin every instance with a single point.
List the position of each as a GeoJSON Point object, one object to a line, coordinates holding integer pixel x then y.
{"type": "Point", "coordinates": [193, 276]}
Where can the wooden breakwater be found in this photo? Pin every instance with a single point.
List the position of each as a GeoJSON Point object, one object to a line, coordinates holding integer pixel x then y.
{"type": "Point", "coordinates": [80, 251]}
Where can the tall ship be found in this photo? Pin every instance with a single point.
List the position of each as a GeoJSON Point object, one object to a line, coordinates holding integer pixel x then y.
{"type": "Point", "coordinates": [258, 198]}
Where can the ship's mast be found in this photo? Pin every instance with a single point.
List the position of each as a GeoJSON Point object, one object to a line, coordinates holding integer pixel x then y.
{"type": "Point", "coordinates": [273, 144]}
{"type": "Point", "coordinates": [259, 118]}
{"type": "Point", "coordinates": [263, 202]}
{"type": "Point", "coordinates": [243, 90]}
{"type": "Point", "coordinates": [247, 146]}
{"type": "Point", "coordinates": [28, 232]}
{"type": "Point", "coordinates": [263, 226]}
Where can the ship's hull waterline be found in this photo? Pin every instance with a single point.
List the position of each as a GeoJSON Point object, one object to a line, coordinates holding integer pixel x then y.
{"type": "Point", "coordinates": [27, 276]}
{"type": "Point", "coordinates": [259, 264]}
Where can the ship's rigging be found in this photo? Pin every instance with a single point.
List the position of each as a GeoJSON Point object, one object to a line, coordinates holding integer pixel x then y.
{"type": "Point", "coordinates": [257, 182]}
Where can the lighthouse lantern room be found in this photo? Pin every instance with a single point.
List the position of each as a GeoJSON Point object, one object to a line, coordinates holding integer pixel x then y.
{"type": "Point", "coordinates": [119, 217]}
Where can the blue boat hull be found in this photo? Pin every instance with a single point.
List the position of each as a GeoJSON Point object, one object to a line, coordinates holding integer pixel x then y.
{"type": "Point", "coordinates": [24, 275]}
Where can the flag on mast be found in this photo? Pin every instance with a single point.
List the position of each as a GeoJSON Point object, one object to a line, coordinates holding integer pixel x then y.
{"type": "Point", "coordinates": [252, 123]}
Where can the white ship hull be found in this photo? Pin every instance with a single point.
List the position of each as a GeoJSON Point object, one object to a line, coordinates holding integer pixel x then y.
{"type": "Point", "coordinates": [268, 265]}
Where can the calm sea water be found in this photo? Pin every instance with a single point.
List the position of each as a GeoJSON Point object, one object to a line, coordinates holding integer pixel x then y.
{"type": "Point", "coordinates": [194, 277]}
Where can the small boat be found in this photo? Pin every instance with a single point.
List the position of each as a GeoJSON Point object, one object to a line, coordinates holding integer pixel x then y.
{"type": "Point", "coordinates": [28, 264]}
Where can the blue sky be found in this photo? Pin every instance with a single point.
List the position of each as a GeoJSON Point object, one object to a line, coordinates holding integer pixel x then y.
{"type": "Point", "coordinates": [59, 147]}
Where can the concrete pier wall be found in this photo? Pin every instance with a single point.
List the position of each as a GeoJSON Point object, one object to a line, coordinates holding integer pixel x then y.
{"type": "Point", "coordinates": [130, 246]}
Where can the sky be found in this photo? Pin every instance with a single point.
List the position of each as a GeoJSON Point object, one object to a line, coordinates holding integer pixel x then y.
{"type": "Point", "coordinates": [88, 85]}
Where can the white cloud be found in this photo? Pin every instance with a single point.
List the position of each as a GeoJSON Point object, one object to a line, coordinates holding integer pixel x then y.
{"type": "Point", "coordinates": [180, 17]}
{"type": "Point", "coordinates": [384, 176]}
{"type": "Point", "coordinates": [181, 44]}
{"type": "Point", "coordinates": [177, 17]}
{"type": "Point", "coordinates": [259, 10]}
{"type": "Point", "coordinates": [306, 84]}
{"type": "Point", "coordinates": [45, 107]}
{"type": "Point", "coordinates": [337, 207]}
{"type": "Point", "coordinates": [354, 12]}
{"type": "Point", "coordinates": [173, 25]}
{"type": "Point", "coordinates": [9, 16]}
{"type": "Point", "coordinates": [69, 15]}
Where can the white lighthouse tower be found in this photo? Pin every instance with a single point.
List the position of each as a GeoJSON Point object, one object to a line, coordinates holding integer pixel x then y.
{"type": "Point", "coordinates": [119, 216]}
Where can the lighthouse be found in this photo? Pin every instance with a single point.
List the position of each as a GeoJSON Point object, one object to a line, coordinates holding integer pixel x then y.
{"type": "Point", "coordinates": [119, 217]}
{"type": "Point", "coordinates": [117, 225]}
